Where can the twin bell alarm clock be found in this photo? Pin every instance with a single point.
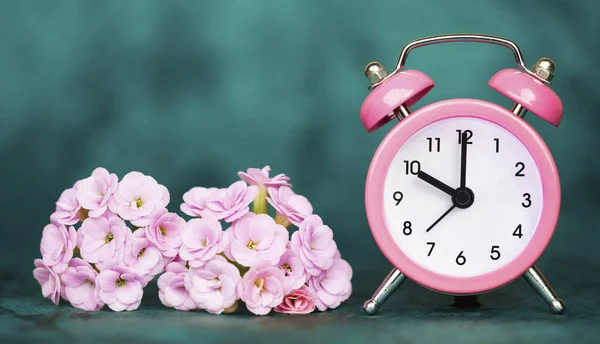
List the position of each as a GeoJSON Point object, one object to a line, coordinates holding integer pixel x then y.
{"type": "Point", "coordinates": [462, 195]}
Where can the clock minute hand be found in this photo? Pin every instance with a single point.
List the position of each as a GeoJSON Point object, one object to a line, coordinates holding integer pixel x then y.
{"type": "Point", "coordinates": [463, 160]}
{"type": "Point", "coordinates": [437, 183]}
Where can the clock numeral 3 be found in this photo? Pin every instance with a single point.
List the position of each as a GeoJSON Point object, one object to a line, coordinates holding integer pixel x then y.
{"type": "Point", "coordinates": [407, 230]}
{"type": "Point", "coordinates": [518, 232]}
{"type": "Point", "coordinates": [460, 259]}
{"type": "Point", "coordinates": [398, 196]}
{"type": "Point", "coordinates": [412, 167]}
{"type": "Point", "coordinates": [469, 136]}
{"type": "Point", "coordinates": [521, 167]}
{"type": "Point", "coordinates": [433, 141]}
{"type": "Point", "coordinates": [495, 254]}
{"type": "Point", "coordinates": [527, 202]}
{"type": "Point", "coordinates": [432, 244]}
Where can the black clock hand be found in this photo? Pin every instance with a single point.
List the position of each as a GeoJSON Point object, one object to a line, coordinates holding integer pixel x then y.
{"type": "Point", "coordinates": [463, 160]}
{"type": "Point", "coordinates": [441, 217]}
{"type": "Point", "coordinates": [437, 183]}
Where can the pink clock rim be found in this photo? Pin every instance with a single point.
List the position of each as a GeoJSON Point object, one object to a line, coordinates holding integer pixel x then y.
{"type": "Point", "coordinates": [451, 109]}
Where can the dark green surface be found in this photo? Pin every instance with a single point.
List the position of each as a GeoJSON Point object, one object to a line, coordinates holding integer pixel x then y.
{"type": "Point", "coordinates": [190, 92]}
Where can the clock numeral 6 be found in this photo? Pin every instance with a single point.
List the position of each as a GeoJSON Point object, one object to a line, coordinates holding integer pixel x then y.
{"type": "Point", "coordinates": [407, 230]}
{"type": "Point", "coordinates": [398, 196]}
{"type": "Point", "coordinates": [460, 259]}
{"type": "Point", "coordinates": [495, 254]}
{"type": "Point", "coordinates": [412, 167]}
{"type": "Point", "coordinates": [527, 202]}
{"type": "Point", "coordinates": [468, 133]}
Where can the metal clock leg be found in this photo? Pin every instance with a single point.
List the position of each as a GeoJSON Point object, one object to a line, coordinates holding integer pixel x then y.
{"type": "Point", "coordinates": [385, 290]}
{"type": "Point", "coordinates": [539, 283]}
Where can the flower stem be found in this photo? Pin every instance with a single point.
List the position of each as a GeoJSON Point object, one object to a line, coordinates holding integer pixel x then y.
{"type": "Point", "coordinates": [231, 309]}
{"type": "Point", "coordinates": [260, 205]}
{"type": "Point", "coordinates": [282, 220]}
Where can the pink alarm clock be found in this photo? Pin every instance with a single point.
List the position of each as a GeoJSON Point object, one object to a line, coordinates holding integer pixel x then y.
{"type": "Point", "coordinates": [462, 195]}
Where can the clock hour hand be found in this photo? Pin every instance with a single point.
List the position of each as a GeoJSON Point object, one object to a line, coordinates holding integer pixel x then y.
{"type": "Point", "coordinates": [437, 183]}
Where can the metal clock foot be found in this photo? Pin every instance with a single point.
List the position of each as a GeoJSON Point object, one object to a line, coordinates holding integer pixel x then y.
{"type": "Point", "coordinates": [385, 290]}
{"type": "Point", "coordinates": [539, 283]}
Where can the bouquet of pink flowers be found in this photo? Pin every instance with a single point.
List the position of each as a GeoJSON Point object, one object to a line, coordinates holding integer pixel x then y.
{"type": "Point", "coordinates": [224, 254]}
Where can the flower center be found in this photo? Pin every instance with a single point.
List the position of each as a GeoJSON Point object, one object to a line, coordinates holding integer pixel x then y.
{"type": "Point", "coordinates": [162, 230]}
{"type": "Point", "coordinates": [120, 282]}
{"type": "Point", "coordinates": [109, 238]}
{"type": "Point", "coordinates": [260, 282]}
{"type": "Point", "coordinates": [138, 202]}
{"type": "Point", "coordinates": [251, 245]}
{"type": "Point", "coordinates": [288, 269]}
{"type": "Point", "coordinates": [141, 252]}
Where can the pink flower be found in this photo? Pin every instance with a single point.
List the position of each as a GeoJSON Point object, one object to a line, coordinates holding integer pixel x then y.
{"type": "Point", "coordinates": [165, 230]}
{"type": "Point", "coordinates": [262, 288]}
{"type": "Point", "coordinates": [120, 288]}
{"type": "Point", "coordinates": [313, 243]}
{"type": "Point", "coordinates": [195, 200]}
{"type": "Point", "coordinates": [137, 197]}
{"type": "Point", "coordinates": [142, 256]}
{"type": "Point", "coordinates": [232, 203]}
{"type": "Point", "coordinates": [293, 270]}
{"type": "Point", "coordinates": [57, 246]}
{"type": "Point", "coordinates": [68, 211]}
{"type": "Point", "coordinates": [287, 203]}
{"type": "Point", "coordinates": [202, 239]}
{"type": "Point", "coordinates": [213, 287]}
{"type": "Point", "coordinates": [79, 281]}
{"type": "Point", "coordinates": [93, 193]}
{"type": "Point", "coordinates": [48, 280]}
{"type": "Point", "coordinates": [332, 286]}
{"type": "Point", "coordinates": [260, 178]}
{"type": "Point", "coordinates": [171, 288]}
{"type": "Point", "coordinates": [103, 239]}
{"type": "Point", "coordinates": [257, 238]}
{"type": "Point", "coordinates": [299, 301]}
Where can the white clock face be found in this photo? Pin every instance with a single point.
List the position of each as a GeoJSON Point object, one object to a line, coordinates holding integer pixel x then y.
{"type": "Point", "coordinates": [481, 233]}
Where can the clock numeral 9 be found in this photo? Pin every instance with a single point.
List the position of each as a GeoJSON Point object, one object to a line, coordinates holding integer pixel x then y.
{"type": "Point", "coordinates": [468, 133]}
{"type": "Point", "coordinates": [518, 232]}
{"type": "Point", "coordinates": [412, 167]}
{"type": "Point", "coordinates": [495, 254]}
{"type": "Point", "coordinates": [398, 196]}
{"type": "Point", "coordinates": [527, 202]}
{"type": "Point", "coordinates": [460, 259]}
{"type": "Point", "coordinates": [431, 140]}
{"type": "Point", "coordinates": [407, 230]}
{"type": "Point", "coordinates": [521, 167]}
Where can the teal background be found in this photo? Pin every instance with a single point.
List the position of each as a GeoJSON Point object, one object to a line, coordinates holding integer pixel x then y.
{"type": "Point", "coordinates": [191, 92]}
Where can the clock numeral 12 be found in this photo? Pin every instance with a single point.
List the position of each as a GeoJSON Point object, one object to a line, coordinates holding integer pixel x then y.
{"type": "Point", "coordinates": [468, 133]}
{"type": "Point", "coordinates": [431, 140]}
